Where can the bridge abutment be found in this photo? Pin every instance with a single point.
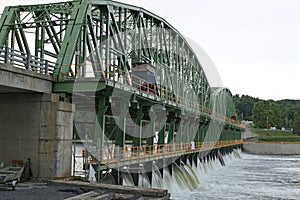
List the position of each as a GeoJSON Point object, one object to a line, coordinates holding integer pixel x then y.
{"type": "Point", "coordinates": [39, 127]}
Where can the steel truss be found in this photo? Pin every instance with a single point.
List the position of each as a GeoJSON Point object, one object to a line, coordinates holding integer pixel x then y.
{"type": "Point", "coordinates": [108, 42]}
{"type": "Point", "coordinates": [108, 36]}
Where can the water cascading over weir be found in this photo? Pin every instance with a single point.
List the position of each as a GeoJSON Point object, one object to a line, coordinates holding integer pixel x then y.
{"type": "Point", "coordinates": [144, 108]}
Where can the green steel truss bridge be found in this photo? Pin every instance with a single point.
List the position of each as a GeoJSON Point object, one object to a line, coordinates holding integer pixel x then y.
{"type": "Point", "coordinates": [140, 91]}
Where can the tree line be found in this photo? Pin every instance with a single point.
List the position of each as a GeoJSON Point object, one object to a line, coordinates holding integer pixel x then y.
{"type": "Point", "coordinates": [269, 113]}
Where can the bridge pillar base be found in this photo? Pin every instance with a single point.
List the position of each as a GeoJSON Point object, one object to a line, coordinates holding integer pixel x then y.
{"type": "Point", "coordinates": [39, 127]}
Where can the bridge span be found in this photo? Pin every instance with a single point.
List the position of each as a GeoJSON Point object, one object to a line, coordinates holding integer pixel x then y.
{"type": "Point", "coordinates": [114, 77]}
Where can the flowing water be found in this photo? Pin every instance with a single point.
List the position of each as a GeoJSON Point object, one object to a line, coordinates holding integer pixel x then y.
{"type": "Point", "coordinates": [244, 177]}
{"type": "Point", "coordinates": [248, 177]}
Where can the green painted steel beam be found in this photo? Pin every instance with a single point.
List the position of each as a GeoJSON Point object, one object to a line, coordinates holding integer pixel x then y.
{"type": "Point", "coordinates": [72, 35]}
{"type": "Point", "coordinates": [137, 141]}
{"type": "Point", "coordinates": [6, 20]}
{"type": "Point", "coordinates": [86, 86]}
{"type": "Point", "coordinates": [171, 131]}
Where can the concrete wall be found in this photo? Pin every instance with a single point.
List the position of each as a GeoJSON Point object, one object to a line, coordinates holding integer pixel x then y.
{"type": "Point", "coordinates": [39, 127]}
{"type": "Point", "coordinates": [272, 149]}
{"type": "Point", "coordinates": [20, 79]}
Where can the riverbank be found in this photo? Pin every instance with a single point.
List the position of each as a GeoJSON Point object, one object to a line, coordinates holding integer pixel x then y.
{"type": "Point", "coordinates": [275, 136]}
{"type": "Point", "coordinates": [271, 148]}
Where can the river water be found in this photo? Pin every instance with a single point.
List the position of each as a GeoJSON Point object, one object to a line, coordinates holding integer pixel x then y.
{"type": "Point", "coordinates": [245, 176]}
{"type": "Point", "coordinates": [248, 177]}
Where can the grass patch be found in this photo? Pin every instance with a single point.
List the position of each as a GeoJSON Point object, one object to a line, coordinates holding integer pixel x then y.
{"type": "Point", "coordinates": [277, 136]}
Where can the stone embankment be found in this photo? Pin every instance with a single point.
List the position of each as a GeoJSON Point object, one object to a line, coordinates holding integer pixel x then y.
{"type": "Point", "coordinates": [271, 148]}
{"type": "Point", "coordinates": [251, 146]}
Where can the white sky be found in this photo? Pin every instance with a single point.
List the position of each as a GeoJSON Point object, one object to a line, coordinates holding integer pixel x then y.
{"type": "Point", "coordinates": [255, 44]}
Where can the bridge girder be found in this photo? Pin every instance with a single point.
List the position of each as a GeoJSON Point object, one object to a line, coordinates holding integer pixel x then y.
{"type": "Point", "coordinates": [101, 43]}
{"type": "Point", "coordinates": [92, 38]}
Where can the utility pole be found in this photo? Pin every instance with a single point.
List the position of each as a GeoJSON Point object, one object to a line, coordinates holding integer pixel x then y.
{"type": "Point", "coordinates": [267, 122]}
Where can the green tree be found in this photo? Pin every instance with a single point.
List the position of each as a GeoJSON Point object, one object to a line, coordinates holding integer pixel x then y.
{"type": "Point", "coordinates": [284, 116]}
{"type": "Point", "coordinates": [296, 124]}
{"type": "Point", "coordinates": [289, 108]}
{"type": "Point", "coordinates": [244, 106]}
{"type": "Point", "coordinates": [267, 112]}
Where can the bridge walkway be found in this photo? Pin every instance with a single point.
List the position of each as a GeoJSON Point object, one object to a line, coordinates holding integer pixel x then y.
{"type": "Point", "coordinates": [112, 157]}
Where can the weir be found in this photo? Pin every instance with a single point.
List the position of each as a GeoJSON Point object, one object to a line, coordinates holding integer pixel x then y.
{"type": "Point", "coordinates": [184, 176]}
{"type": "Point", "coordinates": [136, 93]}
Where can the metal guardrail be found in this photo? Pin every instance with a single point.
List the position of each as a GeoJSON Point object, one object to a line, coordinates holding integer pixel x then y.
{"type": "Point", "coordinates": [26, 61]}
{"type": "Point", "coordinates": [114, 154]}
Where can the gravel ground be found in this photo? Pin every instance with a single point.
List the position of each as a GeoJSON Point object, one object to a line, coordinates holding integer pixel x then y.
{"type": "Point", "coordinates": [38, 191]}
{"type": "Point", "coordinates": [54, 191]}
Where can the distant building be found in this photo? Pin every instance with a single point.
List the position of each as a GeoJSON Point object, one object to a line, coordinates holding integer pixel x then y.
{"type": "Point", "coordinates": [286, 129]}
{"type": "Point", "coordinates": [247, 124]}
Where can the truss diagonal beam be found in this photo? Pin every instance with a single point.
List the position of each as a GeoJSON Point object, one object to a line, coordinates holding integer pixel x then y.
{"type": "Point", "coordinates": [72, 34]}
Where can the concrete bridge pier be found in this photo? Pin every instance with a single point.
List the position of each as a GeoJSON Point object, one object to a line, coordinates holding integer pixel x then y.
{"type": "Point", "coordinates": [40, 127]}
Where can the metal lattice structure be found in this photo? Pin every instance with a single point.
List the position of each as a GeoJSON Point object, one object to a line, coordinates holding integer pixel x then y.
{"type": "Point", "coordinates": [106, 35]}
{"type": "Point", "coordinates": [103, 46]}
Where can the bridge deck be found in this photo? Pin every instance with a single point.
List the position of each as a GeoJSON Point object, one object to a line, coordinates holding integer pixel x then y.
{"type": "Point", "coordinates": [111, 157]}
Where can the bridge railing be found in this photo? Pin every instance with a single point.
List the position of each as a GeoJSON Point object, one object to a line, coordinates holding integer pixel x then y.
{"type": "Point", "coordinates": [138, 84]}
{"type": "Point", "coordinates": [114, 154]}
{"type": "Point", "coordinates": [26, 61]}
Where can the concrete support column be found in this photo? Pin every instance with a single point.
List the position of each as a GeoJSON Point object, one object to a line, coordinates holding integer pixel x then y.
{"type": "Point", "coordinates": [55, 142]}
{"type": "Point", "coordinates": [39, 127]}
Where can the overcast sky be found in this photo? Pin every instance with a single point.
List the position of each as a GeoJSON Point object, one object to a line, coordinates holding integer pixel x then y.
{"type": "Point", "coordinates": [255, 44]}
